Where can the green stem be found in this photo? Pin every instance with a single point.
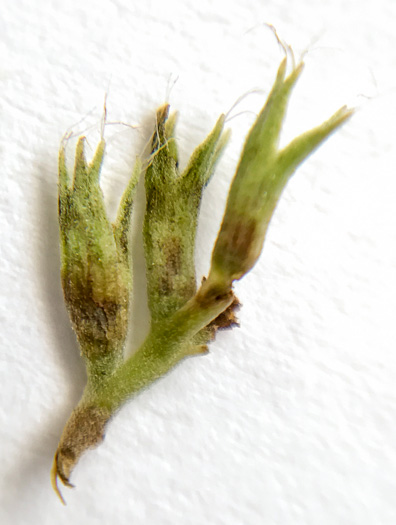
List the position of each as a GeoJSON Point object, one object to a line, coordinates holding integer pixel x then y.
{"type": "Point", "coordinates": [167, 343]}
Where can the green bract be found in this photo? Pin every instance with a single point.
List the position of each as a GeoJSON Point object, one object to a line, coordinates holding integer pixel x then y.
{"type": "Point", "coordinates": [96, 265]}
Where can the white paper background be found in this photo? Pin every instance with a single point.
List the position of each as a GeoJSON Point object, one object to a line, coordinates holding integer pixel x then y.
{"type": "Point", "coordinates": [291, 418]}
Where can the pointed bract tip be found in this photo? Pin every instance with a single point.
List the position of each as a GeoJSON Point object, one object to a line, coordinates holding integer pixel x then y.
{"type": "Point", "coordinates": [54, 480]}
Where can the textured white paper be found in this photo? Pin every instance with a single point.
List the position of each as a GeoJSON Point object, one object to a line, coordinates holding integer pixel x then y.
{"type": "Point", "coordinates": [290, 419]}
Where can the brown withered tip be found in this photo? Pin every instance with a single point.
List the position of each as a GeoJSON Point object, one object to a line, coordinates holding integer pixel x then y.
{"type": "Point", "coordinates": [159, 133]}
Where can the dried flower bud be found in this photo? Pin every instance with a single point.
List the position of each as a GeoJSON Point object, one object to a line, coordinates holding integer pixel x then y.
{"type": "Point", "coordinates": [95, 269]}
{"type": "Point", "coordinates": [261, 176]}
{"type": "Point", "coordinates": [172, 207]}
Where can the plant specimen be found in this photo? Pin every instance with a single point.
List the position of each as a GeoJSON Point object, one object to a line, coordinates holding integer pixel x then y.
{"type": "Point", "coordinates": [96, 268]}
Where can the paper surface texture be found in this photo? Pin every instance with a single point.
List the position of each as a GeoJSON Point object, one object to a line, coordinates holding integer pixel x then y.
{"type": "Point", "coordinates": [290, 418]}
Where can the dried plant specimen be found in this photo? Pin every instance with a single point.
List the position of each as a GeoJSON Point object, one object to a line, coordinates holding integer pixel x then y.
{"type": "Point", "coordinates": [96, 257]}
